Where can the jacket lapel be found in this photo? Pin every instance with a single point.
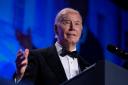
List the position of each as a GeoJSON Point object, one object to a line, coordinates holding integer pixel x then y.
{"type": "Point", "coordinates": [82, 63]}
{"type": "Point", "coordinates": [54, 62]}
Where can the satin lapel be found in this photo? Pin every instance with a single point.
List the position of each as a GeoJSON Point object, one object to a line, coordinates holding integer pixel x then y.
{"type": "Point", "coordinates": [55, 64]}
{"type": "Point", "coordinates": [82, 63]}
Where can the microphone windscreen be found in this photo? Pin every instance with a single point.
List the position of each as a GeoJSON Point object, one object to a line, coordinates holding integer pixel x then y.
{"type": "Point", "coordinates": [119, 52]}
{"type": "Point", "coordinates": [112, 48]}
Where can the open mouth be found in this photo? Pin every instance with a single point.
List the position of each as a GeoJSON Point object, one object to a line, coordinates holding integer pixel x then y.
{"type": "Point", "coordinates": [71, 35]}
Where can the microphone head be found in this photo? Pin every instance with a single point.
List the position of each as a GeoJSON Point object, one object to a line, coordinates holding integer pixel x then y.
{"type": "Point", "coordinates": [112, 48]}
{"type": "Point", "coordinates": [119, 52]}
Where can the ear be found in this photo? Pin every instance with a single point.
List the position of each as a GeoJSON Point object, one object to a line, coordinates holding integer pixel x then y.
{"type": "Point", "coordinates": [55, 29]}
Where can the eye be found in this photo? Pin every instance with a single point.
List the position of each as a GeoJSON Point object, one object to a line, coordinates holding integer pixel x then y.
{"type": "Point", "coordinates": [77, 23]}
{"type": "Point", "coordinates": [66, 22]}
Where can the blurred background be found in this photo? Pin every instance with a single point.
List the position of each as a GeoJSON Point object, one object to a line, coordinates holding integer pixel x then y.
{"type": "Point", "coordinates": [30, 24]}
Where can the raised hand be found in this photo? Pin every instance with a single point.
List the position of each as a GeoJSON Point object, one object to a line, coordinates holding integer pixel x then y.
{"type": "Point", "coordinates": [21, 62]}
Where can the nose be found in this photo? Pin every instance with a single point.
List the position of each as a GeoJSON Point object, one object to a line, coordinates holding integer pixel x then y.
{"type": "Point", "coordinates": [72, 26]}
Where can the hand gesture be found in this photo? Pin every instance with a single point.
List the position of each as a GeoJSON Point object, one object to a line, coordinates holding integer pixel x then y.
{"type": "Point", "coordinates": [21, 62]}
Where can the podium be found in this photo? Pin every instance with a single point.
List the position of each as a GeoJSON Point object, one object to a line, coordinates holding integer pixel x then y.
{"type": "Point", "coordinates": [101, 73]}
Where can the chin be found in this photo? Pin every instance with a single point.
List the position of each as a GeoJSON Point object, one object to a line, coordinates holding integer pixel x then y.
{"type": "Point", "coordinates": [72, 41]}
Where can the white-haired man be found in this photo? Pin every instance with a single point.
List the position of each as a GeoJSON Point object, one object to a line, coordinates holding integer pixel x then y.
{"type": "Point", "coordinates": [56, 64]}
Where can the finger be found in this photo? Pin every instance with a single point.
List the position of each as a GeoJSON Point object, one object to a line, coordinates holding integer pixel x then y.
{"type": "Point", "coordinates": [24, 61]}
{"type": "Point", "coordinates": [20, 57]}
{"type": "Point", "coordinates": [20, 60]}
{"type": "Point", "coordinates": [19, 66]}
{"type": "Point", "coordinates": [20, 53]}
{"type": "Point", "coordinates": [26, 53]}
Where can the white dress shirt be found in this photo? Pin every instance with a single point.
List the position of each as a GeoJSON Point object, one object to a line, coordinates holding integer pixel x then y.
{"type": "Point", "coordinates": [70, 64]}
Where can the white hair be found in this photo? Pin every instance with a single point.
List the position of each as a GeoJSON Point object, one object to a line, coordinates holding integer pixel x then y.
{"type": "Point", "coordinates": [63, 12]}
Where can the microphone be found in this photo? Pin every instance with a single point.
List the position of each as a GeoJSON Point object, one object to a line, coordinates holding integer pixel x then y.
{"type": "Point", "coordinates": [119, 52]}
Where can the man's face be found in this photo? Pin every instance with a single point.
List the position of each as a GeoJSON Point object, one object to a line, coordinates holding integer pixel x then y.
{"type": "Point", "coordinates": [69, 28]}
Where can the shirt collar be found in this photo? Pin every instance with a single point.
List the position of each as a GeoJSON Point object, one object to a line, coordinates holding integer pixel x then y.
{"type": "Point", "coordinates": [59, 48]}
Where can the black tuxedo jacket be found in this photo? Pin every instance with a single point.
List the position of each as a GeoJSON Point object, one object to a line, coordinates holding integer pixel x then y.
{"type": "Point", "coordinates": [45, 68]}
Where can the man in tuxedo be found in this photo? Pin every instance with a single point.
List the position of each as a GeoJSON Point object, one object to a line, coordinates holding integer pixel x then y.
{"type": "Point", "coordinates": [58, 63]}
